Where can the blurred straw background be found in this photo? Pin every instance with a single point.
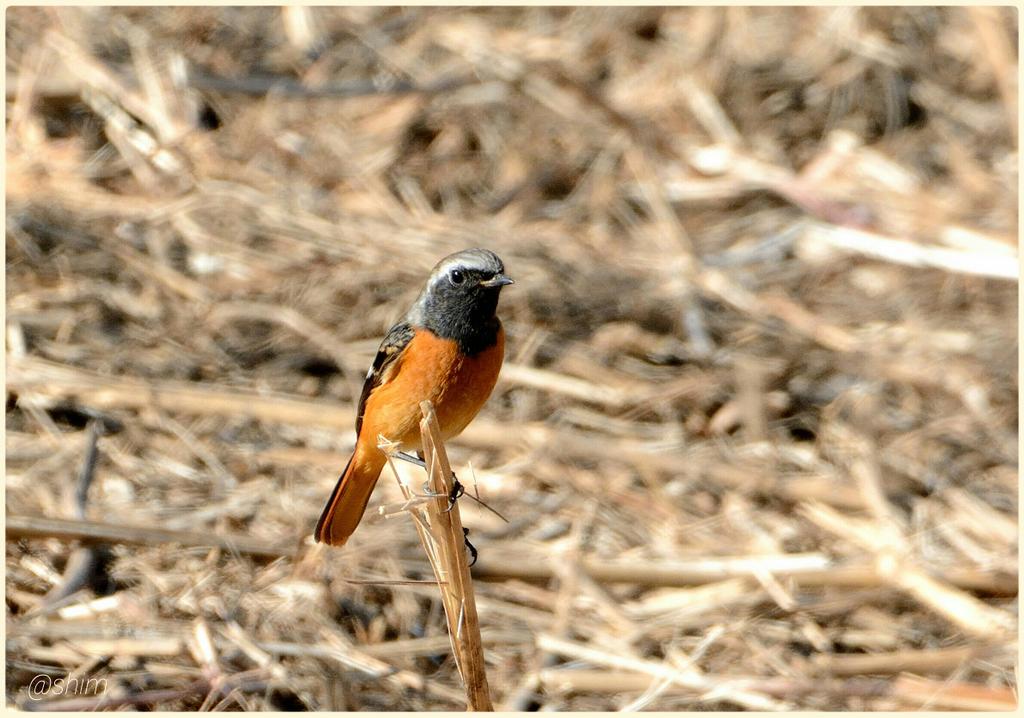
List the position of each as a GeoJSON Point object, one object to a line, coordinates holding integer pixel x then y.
{"type": "Point", "coordinates": [756, 434]}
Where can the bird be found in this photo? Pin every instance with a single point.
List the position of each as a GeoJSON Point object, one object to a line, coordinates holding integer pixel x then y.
{"type": "Point", "coordinates": [448, 349]}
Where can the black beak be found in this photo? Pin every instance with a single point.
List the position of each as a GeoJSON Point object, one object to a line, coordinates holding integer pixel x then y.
{"type": "Point", "coordinates": [498, 280]}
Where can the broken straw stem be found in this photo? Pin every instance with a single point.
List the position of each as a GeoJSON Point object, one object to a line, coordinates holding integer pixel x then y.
{"type": "Point", "coordinates": [447, 555]}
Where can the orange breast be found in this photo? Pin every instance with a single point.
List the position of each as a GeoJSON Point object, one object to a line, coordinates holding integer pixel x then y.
{"type": "Point", "coordinates": [432, 368]}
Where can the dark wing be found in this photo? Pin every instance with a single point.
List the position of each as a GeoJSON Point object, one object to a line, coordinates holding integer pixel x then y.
{"type": "Point", "coordinates": [394, 342]}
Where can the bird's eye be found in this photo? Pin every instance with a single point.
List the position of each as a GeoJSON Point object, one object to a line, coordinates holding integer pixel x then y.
{"type": "Point", "coordinates": [456, 276]}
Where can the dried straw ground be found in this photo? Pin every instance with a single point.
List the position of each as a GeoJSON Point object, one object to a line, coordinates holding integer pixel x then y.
{"type": "Point", "coordinates": [756, 435]}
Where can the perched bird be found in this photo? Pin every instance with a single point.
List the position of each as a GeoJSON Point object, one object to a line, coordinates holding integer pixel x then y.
{"type": "Point", "coordinates": [448, 348]}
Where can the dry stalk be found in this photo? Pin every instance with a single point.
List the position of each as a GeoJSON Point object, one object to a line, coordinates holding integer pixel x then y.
{"type": "Point", "coordinates": [353, 657]}
{"type": "Point", "coordinates": [440, 531]}
{"type": "Point", "coordinates": [899, 569]}
{"type": "Point", "coordinates": [689, 677]}
{"type": "Point", "coordinates": [693, 572]}
{"type": "Point", "coordinates": [28, 527]}
{"type": "Point", "coordinates": [945, 695]}
{"type": "Point", "coordinates": [940, 660]}
{"type": "Point", "coordinates": [985, 264]}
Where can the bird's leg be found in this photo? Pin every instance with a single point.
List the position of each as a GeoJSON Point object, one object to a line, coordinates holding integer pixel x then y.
{"type": "Point", "coordinates": [457, 488]}
{"type": "Point", "coordinates": [456, 492]}
{"type": "Point", "coordinates": [404, 456]}
{"type": "Point", "coordinates": [426, 484]}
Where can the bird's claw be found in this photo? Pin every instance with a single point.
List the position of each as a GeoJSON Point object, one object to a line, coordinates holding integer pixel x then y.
{"type": "Point", "coordinates": [469, 547]}
{"type": "Point", "coordinates": [455, 494]}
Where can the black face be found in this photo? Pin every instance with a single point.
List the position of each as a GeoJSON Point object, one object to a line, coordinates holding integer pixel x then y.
{"type": "Point", "coordinates": [461, 298]}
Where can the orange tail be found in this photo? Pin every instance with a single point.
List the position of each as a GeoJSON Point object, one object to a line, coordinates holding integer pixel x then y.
{"type": "Point", "coordinates": [348, 501]}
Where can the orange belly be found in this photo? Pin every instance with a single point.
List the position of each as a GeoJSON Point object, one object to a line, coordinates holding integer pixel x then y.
{"type": "Point", "coordinates": [432, 369]}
